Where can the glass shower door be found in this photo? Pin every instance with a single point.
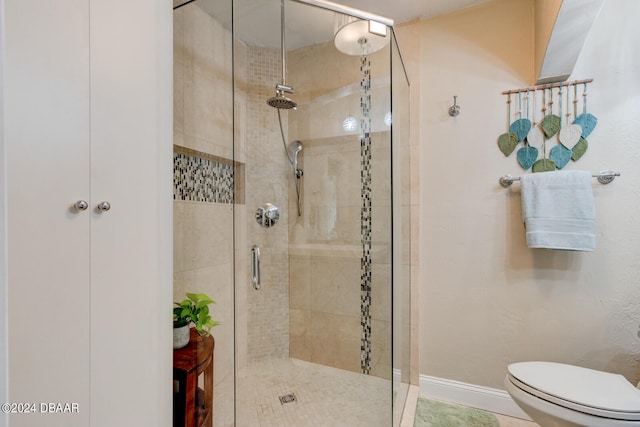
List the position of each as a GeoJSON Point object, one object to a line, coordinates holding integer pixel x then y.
{"type": "Point", "coordinates": [293, 220]}
{"type": "Point", "coordinates": [314, 336]}
{"type": "Point", "coordinates": [204, 172]}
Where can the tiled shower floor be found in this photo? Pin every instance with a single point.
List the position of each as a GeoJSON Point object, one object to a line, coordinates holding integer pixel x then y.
{"type": "Point", "coordinates": [325, 396]}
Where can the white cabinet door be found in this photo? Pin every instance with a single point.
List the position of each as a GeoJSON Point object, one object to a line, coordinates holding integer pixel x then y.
{"type": "Point", "coordinates": [46, 90]}
{"type": "Point", "coordinates": [88, 115]}
{"type": "Point", "coordinates": [131, 267]}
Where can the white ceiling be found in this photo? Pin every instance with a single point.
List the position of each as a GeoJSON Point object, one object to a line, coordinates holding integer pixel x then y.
{"type": "Point", "coordinates": [258, 21]}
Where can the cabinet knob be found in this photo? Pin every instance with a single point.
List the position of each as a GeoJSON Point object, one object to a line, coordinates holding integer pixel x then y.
{"type": "Point", "coordinates": [81, 205]}
{"type": "Point", "coordinates": [104, 206]}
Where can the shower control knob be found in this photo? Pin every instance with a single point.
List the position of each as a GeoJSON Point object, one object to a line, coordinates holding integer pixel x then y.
{"type": "Point", "coordinates": [81, 205]}
{"type": "Point", "coordinates": [104, 206]}
{"type": "Point", "coordinates": [267, 215]}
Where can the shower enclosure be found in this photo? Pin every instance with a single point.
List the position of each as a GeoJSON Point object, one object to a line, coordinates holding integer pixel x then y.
{"type": "Point", "coordinates": [292, 207]}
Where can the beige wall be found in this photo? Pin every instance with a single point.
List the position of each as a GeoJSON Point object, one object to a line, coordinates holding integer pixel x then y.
{"type": "Point", "coordinates": [486, 300]}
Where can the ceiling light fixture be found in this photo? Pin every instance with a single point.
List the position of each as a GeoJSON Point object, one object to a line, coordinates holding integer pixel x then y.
{"type": "Point", "coordinates": [355, 36]}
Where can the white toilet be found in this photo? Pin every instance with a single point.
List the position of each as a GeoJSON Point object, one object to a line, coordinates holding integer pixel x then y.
{"type": "Point", "coordinates": [558, 395]}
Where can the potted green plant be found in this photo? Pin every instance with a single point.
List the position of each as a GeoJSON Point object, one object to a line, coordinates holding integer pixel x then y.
{"type": "Point", "coordinates": [194, 309]}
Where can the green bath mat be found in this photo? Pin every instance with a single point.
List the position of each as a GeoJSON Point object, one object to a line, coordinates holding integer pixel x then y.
{"type": "Point", "coordinates": [430, 413]}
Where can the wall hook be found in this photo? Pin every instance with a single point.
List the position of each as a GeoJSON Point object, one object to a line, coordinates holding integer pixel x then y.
{"type": "Point", "coordinates": [454, 110]}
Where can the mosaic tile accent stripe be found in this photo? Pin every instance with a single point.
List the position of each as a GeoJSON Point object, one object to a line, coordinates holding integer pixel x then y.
{"type": "Point", "coordinates": [202, 178]}
{"type": "Point", "coordinates": [365, 212]}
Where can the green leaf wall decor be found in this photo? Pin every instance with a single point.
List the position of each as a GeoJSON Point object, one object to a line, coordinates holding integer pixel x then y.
{"type": "Point", "coordinates": [547, 125]}
{"type": "Point", "coordinates": [507, 143]}
{"type": "Point", "coordinates": [551, 125]}
{"type": "Point", "coordinates": [544, 165]}
{"type": "Point", "coordinates": [579, 149]}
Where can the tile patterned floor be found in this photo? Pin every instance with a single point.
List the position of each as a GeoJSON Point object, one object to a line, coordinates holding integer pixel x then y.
{"type": "Point", "coordinates": [325, 397]}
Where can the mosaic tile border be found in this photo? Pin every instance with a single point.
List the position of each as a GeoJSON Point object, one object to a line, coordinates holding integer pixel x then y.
{"type": "Point", "coordinates": [203, 177]}
{"type": "Point", "coordinates": [365, 213]}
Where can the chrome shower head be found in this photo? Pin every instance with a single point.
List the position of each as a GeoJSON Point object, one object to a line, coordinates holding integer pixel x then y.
{"type": "Point", "coordinates": [281, 101]}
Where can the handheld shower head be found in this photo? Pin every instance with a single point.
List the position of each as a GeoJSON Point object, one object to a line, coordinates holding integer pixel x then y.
{"type": "Point", "coordinates": [295, 148]}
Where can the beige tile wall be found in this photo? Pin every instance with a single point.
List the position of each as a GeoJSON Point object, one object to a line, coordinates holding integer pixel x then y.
{"type": "Point", "coordinates": [266, 310]}
{"type": "Point", "coordinates": [203, 232]}
{"type": "Point", "coordinates": [326, 247]}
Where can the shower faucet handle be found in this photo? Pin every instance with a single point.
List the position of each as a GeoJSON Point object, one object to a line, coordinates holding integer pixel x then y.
{"type": "Point", "coordinates": [267, 215]}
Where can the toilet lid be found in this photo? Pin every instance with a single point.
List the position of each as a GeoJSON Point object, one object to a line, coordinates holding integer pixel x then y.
{"type": "Point", "coordinates": [595, 392]}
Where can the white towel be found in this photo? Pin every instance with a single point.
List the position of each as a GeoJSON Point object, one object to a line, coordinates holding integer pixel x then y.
{"type": "Point", "coordinates": [558, 210]}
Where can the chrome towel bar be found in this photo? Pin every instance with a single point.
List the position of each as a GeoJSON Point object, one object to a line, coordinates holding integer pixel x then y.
{"type": "Point", "coordinates": [604, 177]}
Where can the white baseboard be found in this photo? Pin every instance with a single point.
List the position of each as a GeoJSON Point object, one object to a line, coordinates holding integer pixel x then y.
{"type": "Point", "coordinates": [485, 398]}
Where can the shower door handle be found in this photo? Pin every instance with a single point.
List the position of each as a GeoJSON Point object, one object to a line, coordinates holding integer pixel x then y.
{"type": "Point", "coordinates": [255, 267]}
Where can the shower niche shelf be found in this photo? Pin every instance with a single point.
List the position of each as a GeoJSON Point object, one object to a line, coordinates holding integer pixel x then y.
{"type": "Point", "coordinates": [208, 178]}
